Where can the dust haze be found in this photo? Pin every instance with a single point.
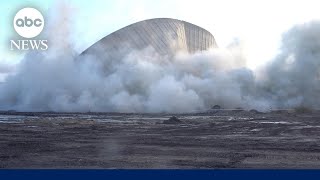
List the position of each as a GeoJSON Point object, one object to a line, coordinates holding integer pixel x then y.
{"type": "Point", "coordinates": [143, 81]}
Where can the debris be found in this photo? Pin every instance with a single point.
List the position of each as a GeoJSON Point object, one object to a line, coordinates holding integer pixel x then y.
{"type": "Point", "coordinates": [172, 120]}
{"type": "Point", "coordinates": [216, 107]}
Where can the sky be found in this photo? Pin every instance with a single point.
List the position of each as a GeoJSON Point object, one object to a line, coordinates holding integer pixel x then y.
{"type": "Point", "coordinates": [258, 24]}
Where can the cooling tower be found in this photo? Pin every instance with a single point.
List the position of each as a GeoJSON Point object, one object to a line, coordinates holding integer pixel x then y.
{"type": "Point", "coordinates": [166, 36]}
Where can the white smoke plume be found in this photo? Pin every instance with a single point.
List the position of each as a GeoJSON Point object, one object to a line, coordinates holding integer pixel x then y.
{"type": "Point", "coordinates": [293, 78]}
{"type": "Point", "coordinates": [143, 81]}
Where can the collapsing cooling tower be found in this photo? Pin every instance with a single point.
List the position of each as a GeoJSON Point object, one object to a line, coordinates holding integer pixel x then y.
{"type": "Point", "coordinates": [165, 36]}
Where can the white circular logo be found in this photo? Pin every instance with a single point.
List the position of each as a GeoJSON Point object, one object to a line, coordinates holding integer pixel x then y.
{"type": "Point", "coordinates": [28, 22]}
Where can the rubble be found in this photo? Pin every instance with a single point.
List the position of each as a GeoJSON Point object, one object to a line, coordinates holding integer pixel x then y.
{"type": "Point", "coordinates": [216, 107]}
{"type": "Point", "coordinates": [172, 120]}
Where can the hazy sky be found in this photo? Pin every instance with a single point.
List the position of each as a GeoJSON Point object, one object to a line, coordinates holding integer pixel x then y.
{"type": "Point", "coordinates": [259, 24]}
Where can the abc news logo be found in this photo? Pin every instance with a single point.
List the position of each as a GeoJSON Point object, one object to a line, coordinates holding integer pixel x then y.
{"type": "Point", "coordinates": [28, 23]}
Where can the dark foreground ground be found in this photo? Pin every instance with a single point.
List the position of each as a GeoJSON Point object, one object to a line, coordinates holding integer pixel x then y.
{"type": "Point", "coordinates": [220, 139]}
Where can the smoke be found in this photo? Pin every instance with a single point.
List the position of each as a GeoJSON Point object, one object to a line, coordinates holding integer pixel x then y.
{"type": "Point", "coordinates": [144, 81]}
{"type": "Point", "coordinates": [5, 68]}
{"type": "Point", "coordinates": [293, 78]}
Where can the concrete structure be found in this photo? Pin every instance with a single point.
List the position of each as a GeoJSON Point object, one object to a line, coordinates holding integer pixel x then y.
{"type": "Point", "coordinates": [165, 36]}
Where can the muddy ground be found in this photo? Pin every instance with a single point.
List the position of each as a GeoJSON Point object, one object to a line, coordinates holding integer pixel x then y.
{"type": "Point", "coordinates": [218, 139]}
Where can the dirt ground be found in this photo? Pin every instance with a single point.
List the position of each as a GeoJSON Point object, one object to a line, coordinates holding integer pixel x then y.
{"type": "Point", "coordinates": [217, 139]}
